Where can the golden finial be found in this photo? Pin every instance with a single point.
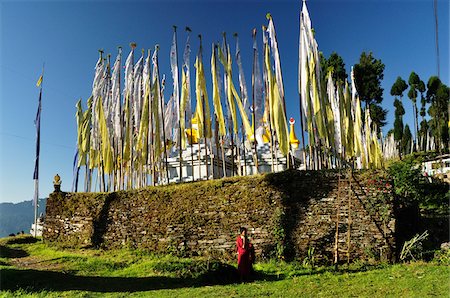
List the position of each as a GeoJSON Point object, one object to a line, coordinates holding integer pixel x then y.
{"type": "Point", "coordinates": [292, 137]}
{"type": "Point", "coordinates": [57, 180]}
{"type": "Point", "coordinates": [57, 183]}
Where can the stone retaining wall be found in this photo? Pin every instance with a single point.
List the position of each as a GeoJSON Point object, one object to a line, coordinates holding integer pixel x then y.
{"type": "Point", "coordinates": [286, 214]}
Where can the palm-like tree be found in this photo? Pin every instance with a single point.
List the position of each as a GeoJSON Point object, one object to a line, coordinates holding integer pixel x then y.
{"type": "Point", "coordinates": [397, 89]}
{"type": "Point", "coordinates": [414, 82]}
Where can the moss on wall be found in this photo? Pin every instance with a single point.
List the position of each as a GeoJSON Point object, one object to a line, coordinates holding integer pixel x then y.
{"type": "Point", "coordinates": [285, 213]}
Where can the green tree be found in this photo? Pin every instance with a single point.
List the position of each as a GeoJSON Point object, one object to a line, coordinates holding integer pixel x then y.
{"type": "Point", "coordinates": [368, 75]}
{"type": "Point", "coordinates": [406, 140]}
{"type": "Point", "coordinates": [423, 124]}
{"type": "Point", "coordinates": [438, 97]}
{"type": "Point", "coordinates": [397, 90]}
{"type": "Point", "coordinates": [415, 85]}
{"type": "Point", "coordinates": [398, 123]}
{"type": "Point", "coordinates": [337, 65]}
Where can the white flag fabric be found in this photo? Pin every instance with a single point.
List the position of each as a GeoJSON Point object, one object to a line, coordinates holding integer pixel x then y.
{"type": "Point", "coordinates": [176, 87]}
{"type": "Point", "coordinates": [333, 96]}
{"type": "Point", "coordinates": [128, 86]}
{"type": "Point", "coordinates": [242, 83]}
{"type": "Point", "coordinates": [186, 66]}
{"type": "Point", "coordinates": [357, 126]}
{"type": "Point", "coordinates": [276, 57]}
{"type": "Point", "coordinates": [116, 104]}
{"type": "Point", "coordinates": [168, 118]}
{"type": "Point", "coordinates": [97, 88]}
{"type": "Point", "coordinates": [138, 93]}
{"type": "Point", "coordinates": [308, 58]}
{"type": "Point", "coordinates": [258, 86]}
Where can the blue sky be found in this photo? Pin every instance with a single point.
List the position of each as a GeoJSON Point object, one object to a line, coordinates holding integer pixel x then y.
{"type": "Point", "coordinates": [67, 34]}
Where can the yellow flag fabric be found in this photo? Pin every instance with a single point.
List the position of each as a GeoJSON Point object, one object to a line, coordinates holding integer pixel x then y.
{"type": "Point", "coordinates": [245, 121]}
{"type": "Point", "coordinates": [39, 81]}
{"type": "Point", "coordinates": [277, 114]}
{"type": "Point", "coordinates": [330, 141]}
{"type": "Point", "coordinates": [93, 154]}
{"type": "Point", "coordinates": [357, 128]}
{"type": "Point", "coordinates": [317, 107]}
{"type": "Point", "coordinates": [183, 103]}
{"type": "Point", "coordinates": [204, 120]}
{"type": "Point", "coordinates": [128, 125]}
{"type": "Point", "coordinates": [79, 116]}
{"type": "Point", "coordinates": [86, 134]}
{"type": "Point", "coordinates": [350, 123]}
{"type": "Point", "coordinates": [280, 119]}
{"type": "Point", "coordinates": [157, 121]}
{"type": "Point", "coordinates": [368, 139]}
{"type": "Point", "coordinates": [106, 149]}
{"type": "Point", "coordinates": [142, 140]}
{"type": "Point", "coordinates": [226, 62]}
{"type": "Point", "coordinates": [216, 95]}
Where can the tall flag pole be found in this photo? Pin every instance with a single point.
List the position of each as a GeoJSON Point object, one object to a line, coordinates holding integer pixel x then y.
{"type": "Point", "coordinates": [176, 96]}
{"type": "Point", "coordinates": [220, 131]}
{"type": "Point", "coordinates": [137, 105]}
{"type": "Point", "coordinates": [37, 123]}
{"type": "Point", "coordinates": [142, 139]}
{"type": "Point", "coordinates": [279, 105]}
{"type": "Point", "coordinates": [161, 108]}
{"type": "Point", "coordinates": [302, 60]}
{"type": "Point", "coordinates": [230, 104]}
{"type": "Point", "coordinates": [185, 104]}
{"type": "Point", "coordinates": [127, 108]}
{"type": "Point", "coordinates": [256, 95]}
{"type": "Point", "coordinates": [244, 95]}
{"type": "Point", "coordinates": [267, 105]}
{"type": "Point", "coordinates": [150, 140]}
{"type": "Point", "coordinates": [116, 120]}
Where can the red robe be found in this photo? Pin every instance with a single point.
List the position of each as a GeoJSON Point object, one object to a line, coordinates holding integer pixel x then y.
{"type": "Point", "coordinates": [244, 256]}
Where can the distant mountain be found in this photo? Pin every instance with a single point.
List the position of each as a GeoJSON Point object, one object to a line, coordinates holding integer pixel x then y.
{"type": "Point", "coordinates": [18, 217]}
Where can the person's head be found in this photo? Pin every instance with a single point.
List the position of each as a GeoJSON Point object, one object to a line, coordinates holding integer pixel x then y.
{"type": "Point", "coordinates": [243, 231]}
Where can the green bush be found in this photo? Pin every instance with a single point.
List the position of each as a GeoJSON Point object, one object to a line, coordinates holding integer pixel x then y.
{"type": "Point", "coordinates": [442, 256]}
{"type": "Point", "coordinates": [411, 187]}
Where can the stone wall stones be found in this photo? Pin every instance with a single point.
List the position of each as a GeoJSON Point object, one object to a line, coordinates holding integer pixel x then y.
{"type": "Point", "coordinates": [286, 214]}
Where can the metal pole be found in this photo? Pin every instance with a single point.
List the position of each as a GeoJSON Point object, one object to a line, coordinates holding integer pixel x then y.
{"type": "Point", "coordinates": [255, 157]}
{"type": "Point", "coordinates": [179, 105]}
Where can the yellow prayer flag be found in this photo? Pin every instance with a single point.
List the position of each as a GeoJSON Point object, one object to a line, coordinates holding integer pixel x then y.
{"type": "Point", "coordinates": [39, 82]}
{"type": "Point", "coordinates": [216, 95]}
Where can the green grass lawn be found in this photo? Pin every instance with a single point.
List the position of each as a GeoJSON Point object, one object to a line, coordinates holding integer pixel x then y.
{"type": "Point", "coordinates": [37, 270]}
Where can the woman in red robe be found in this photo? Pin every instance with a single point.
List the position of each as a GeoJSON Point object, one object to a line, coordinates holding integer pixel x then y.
{"type": "Point", "coordinates": [245, 254]}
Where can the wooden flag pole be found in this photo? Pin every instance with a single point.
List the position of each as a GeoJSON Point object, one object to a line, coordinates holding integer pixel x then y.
{"type": "Point", "coordinates": [204, 138]}
{"type": "Point", "coordinates": [255, 156]}
{"type": "Point", "coordinates": [216, 138]}
{"type": "Point", "coordinates": [179, 105]}
{"type": "Point", "coordinates": [192, 149]}
{"type": "Point", "coordinates": [147, 138]}
{"type": "Point", "coordinates": [231, 124]}
{"type": "Point", "coordinates": [119, 141]}
{"type": "Point", "coordinates": [38, 145]}
{"type": "Point", "coordinates": [151, 150]}
{"type": "Point", "coordinates": [242, 171]}
{"type": "Point", "coordinates": [301, 128]}
{"type": "Point", "coordinates": [162, 117]}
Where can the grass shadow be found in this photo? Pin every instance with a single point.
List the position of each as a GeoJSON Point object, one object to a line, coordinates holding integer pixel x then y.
{"type": "Point", "coordinates": [40, 280]}
{"type": "Point", "coordinates": [8, 252]}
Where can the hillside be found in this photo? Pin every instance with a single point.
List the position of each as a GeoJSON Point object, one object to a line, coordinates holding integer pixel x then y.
{"type": "Point", "coordinates": [18, 217]}
{"type": "Point", "coordinates": [31, 268]}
